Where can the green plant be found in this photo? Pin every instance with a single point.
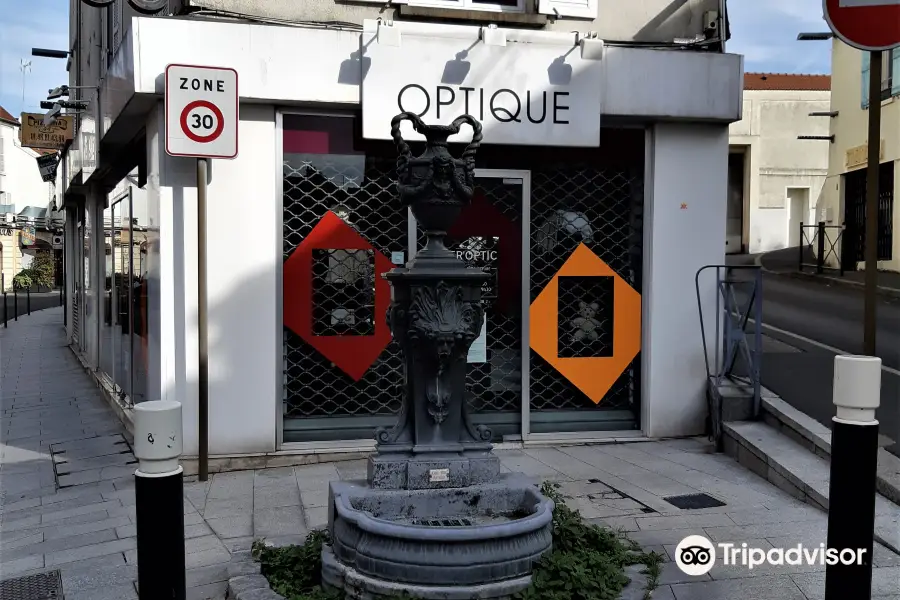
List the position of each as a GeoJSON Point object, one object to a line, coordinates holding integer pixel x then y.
{"type": "Point", "coordinates": [22, 280]}
{"type": "Point", "coordinates": [295, 572]}
{"type": "Point", "coordinates": [40, 273]}
{"type": "Point", "coordinates": [586, 562]}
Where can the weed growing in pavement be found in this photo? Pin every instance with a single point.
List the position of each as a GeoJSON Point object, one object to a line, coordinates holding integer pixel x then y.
{"type": "Point", "coordinates": [586, 562]}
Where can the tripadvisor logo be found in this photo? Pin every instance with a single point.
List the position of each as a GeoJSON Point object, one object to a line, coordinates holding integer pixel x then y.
{"type": "Point", "coordinates": [147, 7]}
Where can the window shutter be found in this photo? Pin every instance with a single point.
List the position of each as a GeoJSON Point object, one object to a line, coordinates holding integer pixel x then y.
{"type": "Point", "coordinates": [895, 72]}
{"type": "Point", "coordinates": [581, 9]}
{"type": "Point", "coordinates": [866, 64]}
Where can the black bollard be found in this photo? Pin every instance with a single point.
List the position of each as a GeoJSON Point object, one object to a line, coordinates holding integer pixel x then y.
{"type": "Point", "coordinates": [159, 500]}
{"type": "Point", "coordinates": [854, 464]}
{"type": "Point", "coordinates": [5, 311]}
{"type": "Point", "coordinates": [15, 304]}
{"type": "Point", "coordinates": [28, 300]}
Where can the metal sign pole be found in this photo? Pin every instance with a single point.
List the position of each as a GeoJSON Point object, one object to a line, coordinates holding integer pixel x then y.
{"type": "Point", "coordinates": [203, 377]}
{"type": "Point", "coordinates": [871, 235]}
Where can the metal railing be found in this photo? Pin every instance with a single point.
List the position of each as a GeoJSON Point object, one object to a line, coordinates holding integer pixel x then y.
{"type": "Point", "coordinates": [825, 238]}
{"type": "Point", "coordinates": [16, 292]}
{"type": "Point", "coordinates": [738, 300]}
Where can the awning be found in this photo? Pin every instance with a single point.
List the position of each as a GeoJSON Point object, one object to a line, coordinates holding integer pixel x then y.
{"type": "Point", "coordinates": [33, 212]}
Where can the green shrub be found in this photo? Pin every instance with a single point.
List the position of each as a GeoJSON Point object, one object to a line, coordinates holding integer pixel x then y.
{"type": "Point", "coordinates": [586, 563]}
{"type": "Point", "coordinates": [40, 273]}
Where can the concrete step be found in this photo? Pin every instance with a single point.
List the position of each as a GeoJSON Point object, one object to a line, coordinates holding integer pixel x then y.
{"type": "Point", "coordinates": [791, 466]}
{"type": "Point", "coordinates": [817, 438]}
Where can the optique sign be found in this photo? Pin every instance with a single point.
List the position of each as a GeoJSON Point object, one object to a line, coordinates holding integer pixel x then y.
{"type": "Point", "coordinates": [523, 94]}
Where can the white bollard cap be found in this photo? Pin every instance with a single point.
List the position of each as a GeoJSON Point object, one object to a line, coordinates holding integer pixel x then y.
{"type": "Point", "coordinates": [857, 388]}
{"type": "Point", "coordinates": [157, 436]}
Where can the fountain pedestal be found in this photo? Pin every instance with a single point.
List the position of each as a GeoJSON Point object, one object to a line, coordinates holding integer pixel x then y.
{"type": "Point", "coordinates": [435, 516]}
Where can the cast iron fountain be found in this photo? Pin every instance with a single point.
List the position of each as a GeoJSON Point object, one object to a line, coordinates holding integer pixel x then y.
{"type": "Point", "coordinates": [435, 518]}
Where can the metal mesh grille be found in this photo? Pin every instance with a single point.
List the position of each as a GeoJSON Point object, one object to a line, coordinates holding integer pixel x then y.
{"type": "Point", "coordinates": [40, 586]}
{"type": "Point", "coordinates": [75, 327]}
{"type": "Point", "coordinates": [362, 191]}
{"type": "Point", "coordinates": [602, 209]}
{"type": "Point", "coordinates": [495, 385]}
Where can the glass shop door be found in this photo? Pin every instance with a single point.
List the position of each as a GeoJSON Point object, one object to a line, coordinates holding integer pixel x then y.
{"type": "Point", "coordinates": [488, 235]}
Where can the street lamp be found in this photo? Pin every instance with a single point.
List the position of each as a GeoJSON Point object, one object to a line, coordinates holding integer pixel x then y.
{"type": "Point", "coordinates": [815, 36]}
{"type": "Point", "coordinates": [46, 53]}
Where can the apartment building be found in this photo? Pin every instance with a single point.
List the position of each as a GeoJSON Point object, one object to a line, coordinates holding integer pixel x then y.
{"type": "Point", "coordinates": [844, 193]}
{"type": "Point", "coordinates": [777, 161]}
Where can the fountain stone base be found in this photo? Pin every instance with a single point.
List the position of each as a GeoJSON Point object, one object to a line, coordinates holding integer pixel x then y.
{"type": "Point", "coordinates": [480, 541]}
{"type": "Point", "coordinates": [404, 471]}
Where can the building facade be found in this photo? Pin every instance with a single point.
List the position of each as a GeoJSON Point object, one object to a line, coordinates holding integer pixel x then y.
{"type": "Point", "coordinates": [601, 163]}
{"type": "Point", "coordinates": [28, 219]}
{"type": "Point", "coordinates": [774, 178]}
{"type": "Point", "coordinates": [844, 193]}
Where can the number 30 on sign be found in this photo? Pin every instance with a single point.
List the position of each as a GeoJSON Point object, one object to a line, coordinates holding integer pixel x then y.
{"type": "Point", "coordinates": [201, 111]}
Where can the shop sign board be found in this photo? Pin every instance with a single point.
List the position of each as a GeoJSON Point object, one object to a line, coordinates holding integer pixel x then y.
{"type": "Point", "coordinates": [34, 134]}
{"type": "Point", "coordinates": [29, 236]}
{"type": "Point", "coordinates": [201, 111]}
{"type": "Point", "coordinates": [47, 164]}
{"type": "Point", "coordinates": [482, 253]}
{"type": "Point", "coordinates": [523, 94]}
{"type": "Point", "coordinates": [872, 25]}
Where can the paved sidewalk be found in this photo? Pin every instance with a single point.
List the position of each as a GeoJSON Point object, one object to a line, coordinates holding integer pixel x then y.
{"type": "Point", "coordinates": [52, 414]}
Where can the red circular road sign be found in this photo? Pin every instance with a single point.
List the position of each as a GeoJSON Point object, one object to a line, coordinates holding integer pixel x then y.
{"type": "Point", "coordinates": [865, 24]}
{"type": "Point", "coordinates": [216, 127]}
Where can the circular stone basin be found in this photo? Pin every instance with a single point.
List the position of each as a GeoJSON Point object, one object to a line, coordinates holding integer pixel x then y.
{"type": "Point", "coordinates": [464, 536]}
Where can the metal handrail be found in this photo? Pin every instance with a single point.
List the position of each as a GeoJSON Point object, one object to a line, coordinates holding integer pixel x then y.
{"type": "Point", "coordinates": [733, 340]}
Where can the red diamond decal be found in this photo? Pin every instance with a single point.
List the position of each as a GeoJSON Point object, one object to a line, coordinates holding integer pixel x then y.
{"type": "Point", "coordinates": [353, 354]}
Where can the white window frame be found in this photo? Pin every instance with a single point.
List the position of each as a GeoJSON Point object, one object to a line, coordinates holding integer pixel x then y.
{"type": "Point", "coordinates": [578, 9]}
{"type": "Point", "coordinates": [469, 5]}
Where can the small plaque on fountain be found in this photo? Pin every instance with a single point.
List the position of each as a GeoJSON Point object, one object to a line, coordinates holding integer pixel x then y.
{"type": "Point", "coordinates": [439, 475]}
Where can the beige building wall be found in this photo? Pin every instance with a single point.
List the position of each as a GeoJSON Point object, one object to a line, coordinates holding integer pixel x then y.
{"type": "Point", "coordinates": [10, 256]}
{"type": "Point", "coordinates": [850, 130]}
{"type": "Point", "coordinates": [783, 175]}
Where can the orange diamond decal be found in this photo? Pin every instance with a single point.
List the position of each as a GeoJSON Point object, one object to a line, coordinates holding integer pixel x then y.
{"type": "Point", "coordinates": [594, 376]}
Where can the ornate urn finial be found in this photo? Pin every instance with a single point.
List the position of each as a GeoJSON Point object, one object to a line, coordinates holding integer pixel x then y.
{"type": "Point", "coordinates": [435, 185]}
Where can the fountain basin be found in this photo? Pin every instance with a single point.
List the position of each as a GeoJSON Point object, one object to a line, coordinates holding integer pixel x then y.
{"type": "Point", "coordinates": [472, 536]}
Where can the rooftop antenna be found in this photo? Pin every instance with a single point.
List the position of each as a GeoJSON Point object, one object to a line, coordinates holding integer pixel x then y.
{"type": "Point", "coordinates": [24, 66]}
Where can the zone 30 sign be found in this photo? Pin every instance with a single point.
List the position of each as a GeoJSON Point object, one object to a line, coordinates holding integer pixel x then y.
{"type": "Point", "coordinates": [201, 111]}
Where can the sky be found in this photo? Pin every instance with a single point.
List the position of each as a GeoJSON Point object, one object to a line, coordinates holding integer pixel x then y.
{"type": "Point", "coordinates": [765, 31]}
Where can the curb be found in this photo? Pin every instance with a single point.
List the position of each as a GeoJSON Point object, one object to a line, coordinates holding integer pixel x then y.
{"type": "Point", "coordinates": [885, 292]}
{"type": "Point", "coordinates": [245, 579]}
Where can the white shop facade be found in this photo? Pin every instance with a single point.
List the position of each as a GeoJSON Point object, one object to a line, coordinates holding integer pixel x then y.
{"type": "Point", "coordinates": [601, 191]}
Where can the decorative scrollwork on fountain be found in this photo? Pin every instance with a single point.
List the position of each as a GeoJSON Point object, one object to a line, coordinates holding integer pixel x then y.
{"type": "Point", "coordinates": [442, 327]}
{"type": "Point", "coordinates": [435, 177]}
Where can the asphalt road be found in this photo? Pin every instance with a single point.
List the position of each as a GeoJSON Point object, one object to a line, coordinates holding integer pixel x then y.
{"type": "Point", "coordinates": [38, 302]}
{"type": "Point", "coordinates": [810, 323]}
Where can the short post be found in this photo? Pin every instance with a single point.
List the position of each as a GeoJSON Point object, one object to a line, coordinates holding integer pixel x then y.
{"type": "Point", "coordinates": [159, 499]}
{"type": "Point", "coordinates": [5, 311]}
{"type": "Point", "coordinates": [820, 259]}
{"type": "Point", "coordinates": [15, 303]}
{"type": "Point", "coordinates": [800, 249]}
{"type": "Point", "coordinates": [840, 256]}
{"type": "Point", "coordinates": [854, 462]}
{"type": "Point", "coordinates": [28, 300]}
